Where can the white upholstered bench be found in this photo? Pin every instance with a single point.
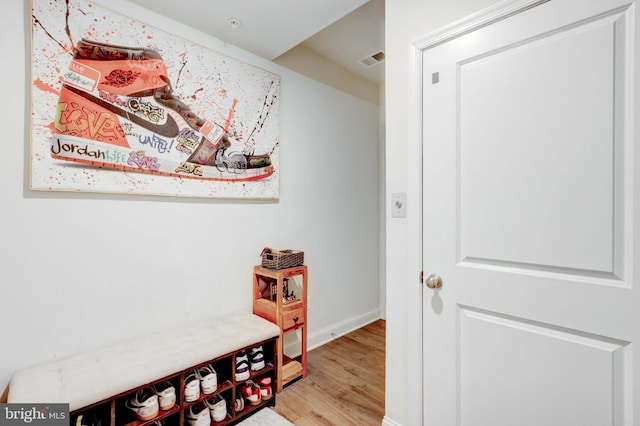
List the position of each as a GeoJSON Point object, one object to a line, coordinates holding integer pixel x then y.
{"type": "Point", "coordinates": [94, 376]}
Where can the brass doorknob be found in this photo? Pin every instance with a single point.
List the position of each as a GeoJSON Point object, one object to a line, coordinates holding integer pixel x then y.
{"type": "Point", "coordinates": [434, 281]}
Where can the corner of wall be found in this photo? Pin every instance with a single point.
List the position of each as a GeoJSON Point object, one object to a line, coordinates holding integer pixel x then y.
{"type": "Point", "coordinates": [306, 62]}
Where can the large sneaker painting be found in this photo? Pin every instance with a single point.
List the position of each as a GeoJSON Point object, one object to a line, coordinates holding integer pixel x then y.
{"type": "Point", "coordinates": [121, 107]}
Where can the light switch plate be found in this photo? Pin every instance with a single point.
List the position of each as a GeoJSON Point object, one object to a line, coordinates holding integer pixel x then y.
{"type": "Point", "coordinates": [399, 204]}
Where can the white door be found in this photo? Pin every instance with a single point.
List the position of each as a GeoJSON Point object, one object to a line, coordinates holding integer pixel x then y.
{"type": "Point", "coordinates": [531, 217]}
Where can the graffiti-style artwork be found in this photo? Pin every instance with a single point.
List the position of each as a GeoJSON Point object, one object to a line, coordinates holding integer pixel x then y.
{"type": "Point", "coordinates": [119, 106]}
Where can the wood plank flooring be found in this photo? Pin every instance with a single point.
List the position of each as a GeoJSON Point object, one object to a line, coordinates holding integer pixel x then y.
{"type": "Point", "coordinates": [344, 383]}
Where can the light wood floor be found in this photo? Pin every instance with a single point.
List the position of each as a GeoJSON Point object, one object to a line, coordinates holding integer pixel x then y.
{"type": "Point", "coordinates": [344, 383]}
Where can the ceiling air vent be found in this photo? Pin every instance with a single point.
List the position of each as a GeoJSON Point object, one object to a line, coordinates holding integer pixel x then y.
{"type": "Point", "coordinates": [371, 60]}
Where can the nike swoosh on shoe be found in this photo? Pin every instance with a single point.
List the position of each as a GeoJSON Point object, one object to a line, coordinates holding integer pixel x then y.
{"type": "Point", "coordinates": [169, 129]}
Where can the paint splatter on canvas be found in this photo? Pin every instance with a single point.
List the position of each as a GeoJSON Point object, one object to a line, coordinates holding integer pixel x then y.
{"type": "Point", "coordinates": [119, 106]}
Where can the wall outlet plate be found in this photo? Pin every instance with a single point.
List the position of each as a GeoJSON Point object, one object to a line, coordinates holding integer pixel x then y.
{"type": "Point", "coordinates": [399, 204]}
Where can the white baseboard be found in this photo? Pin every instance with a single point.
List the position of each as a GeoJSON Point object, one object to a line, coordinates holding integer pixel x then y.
{"type": "Point", "coordinates": [386, 421]}
{"type": "Point", "coordinates": [327, 334]}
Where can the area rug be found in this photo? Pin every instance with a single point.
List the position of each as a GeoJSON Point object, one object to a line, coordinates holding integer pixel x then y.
{"type": "Point", "coordinates": [266, 417]}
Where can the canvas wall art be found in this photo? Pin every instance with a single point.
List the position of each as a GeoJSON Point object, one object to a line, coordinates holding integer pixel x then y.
{"type": "Point", "coordinates": [119, 106]}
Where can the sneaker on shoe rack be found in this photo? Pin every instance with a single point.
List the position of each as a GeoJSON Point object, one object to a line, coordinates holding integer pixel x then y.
{"type": "Point", "coordinates": [166, 394]}
{"type": "Point", "coordinates": [239, 404]}
{"type": "Point", "coordinates": [116, 109]}
{"type": "Point", "coordinates": [265, 388]}
{"type": "Point", "coordinates": [251, 392]}
{"type": "Point", "coordinates": [88, 419]}
{"type": "Point", "coordinates": [191, 387]}
{"type": "Point", "coordinates": [144, 404]}
{"type": "Point", "coordinates": [218, 407]}
{"type": "Point", "coordinates": [256, 356]}
{"type": "Point", "coordinates": [242, 366]}
{"type": "Point", "coordinates": [208, 379]}
{"type": "Point", "coordinates": [198, 415]}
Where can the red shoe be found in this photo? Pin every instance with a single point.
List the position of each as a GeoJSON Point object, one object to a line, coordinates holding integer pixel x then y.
{"type": "Point", "coordinates": [265, 388]}
{"type": "Point", "coordinates": [251, 392]}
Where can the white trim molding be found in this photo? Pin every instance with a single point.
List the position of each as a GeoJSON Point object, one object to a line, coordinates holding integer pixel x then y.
{"type": "Point", "coordinates": [386, 421]}
{"type": "Point", "coordinates": [485, 17]}
{"type": "Point", "coordinates": [332, 332]}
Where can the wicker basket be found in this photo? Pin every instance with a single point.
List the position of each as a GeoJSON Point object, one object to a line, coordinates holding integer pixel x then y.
{"type": "Point", "coordinates": [281, 259]}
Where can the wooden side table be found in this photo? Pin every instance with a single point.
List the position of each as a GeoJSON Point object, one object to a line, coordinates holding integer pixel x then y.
{"type": "Point", "coordinates": [280, 296]}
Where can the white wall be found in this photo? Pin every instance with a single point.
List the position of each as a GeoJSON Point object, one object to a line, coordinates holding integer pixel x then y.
{"type": "Point", "coordinates": [406, 21]}
{"type": "Point", "coordinates": [80, 271]}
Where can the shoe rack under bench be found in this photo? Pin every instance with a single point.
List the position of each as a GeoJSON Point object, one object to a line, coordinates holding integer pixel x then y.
{"type": "Point", "coordinates": [114, 412]}
{"type": "Point", "coordinates": [98, 384]}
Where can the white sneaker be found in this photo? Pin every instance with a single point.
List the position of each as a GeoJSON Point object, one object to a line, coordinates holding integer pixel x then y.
{"type": "Point", "coordinates": [166, 394]}
{"type": "Point", "coordinates": [242, 367]}
{"type": "Point", "coordinates": [198, 415]}
{"type": "Point", "coordinates": [208, 379]}
{"type": "Point", "coordinates": [257, 358]}
{"type": "Point", "coordinates": [191, 387]}
{"type": "Point", "coordinates": [144, 404]}
{"type": "Point", "coordinates": [218, 407]}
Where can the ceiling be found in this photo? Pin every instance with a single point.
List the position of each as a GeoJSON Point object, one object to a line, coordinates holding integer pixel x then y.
{"type": "Point", "coordinates": [342, 31]}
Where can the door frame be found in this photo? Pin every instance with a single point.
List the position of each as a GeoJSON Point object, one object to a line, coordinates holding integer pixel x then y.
{"type": "Point", "coordinates": [415, 292]}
